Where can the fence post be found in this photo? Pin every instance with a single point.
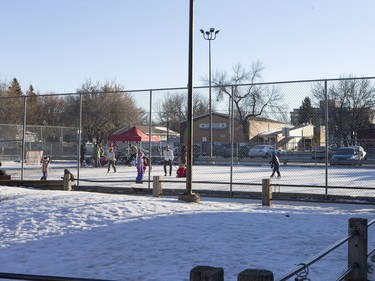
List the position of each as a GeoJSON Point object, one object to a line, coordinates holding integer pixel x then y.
{"type": "Point", "coordinates": [157, 188]}
{"type": "Point", "coordinates": [255, 275]}
{"type": "Point", "coordinates": [357, 249]}
{"type": "Point", "coordinates": [67, 182]}
{"type": "Point", "coordinates": [266, 192]}
{"type": "Point", "coordinates": [207, 273]}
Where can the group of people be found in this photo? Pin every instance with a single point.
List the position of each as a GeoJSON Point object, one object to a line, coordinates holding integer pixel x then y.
{"type": "Point", "coordinates": [136, 158]}
{"type": "Point", "coordinates": [142, 162]}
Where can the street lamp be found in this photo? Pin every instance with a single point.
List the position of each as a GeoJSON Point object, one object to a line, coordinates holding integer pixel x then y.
{"type": "Point", "coordinates": [210, 35]}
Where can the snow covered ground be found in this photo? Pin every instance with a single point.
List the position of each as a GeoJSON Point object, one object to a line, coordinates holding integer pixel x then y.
{"type": "Point", "coordinates": [123, 237]}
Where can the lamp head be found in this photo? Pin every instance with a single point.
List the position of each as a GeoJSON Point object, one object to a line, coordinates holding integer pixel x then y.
{"type": "Point", "coordinates": [212, 29]}
{"type": "Point", "coordinates": [202, 31]}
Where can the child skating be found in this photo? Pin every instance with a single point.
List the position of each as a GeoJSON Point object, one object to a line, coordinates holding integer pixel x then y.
{"type": "Point", "coordinates": [140, 164]}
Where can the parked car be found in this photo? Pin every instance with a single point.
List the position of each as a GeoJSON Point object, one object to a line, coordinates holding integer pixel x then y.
{"type": "Point", "coordinates": [351, 155]}
{"type": "Point", "coordinates": [261, 151]}
{"type": "Point", "coordinates": [238, 151]}
{"type": "Point", "coordinates": [320, 152]}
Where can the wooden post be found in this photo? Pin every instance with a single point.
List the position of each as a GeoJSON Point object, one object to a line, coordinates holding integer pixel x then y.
{"type": "Point", "coordinates": [67, 182]}
{"type": "Point", "coordinates": [357, 248]}
{"type": "Point", "coordinates": [157, 188]}
{"type": "Point", "coordinates": [255, 275]}
{"type": "Point", "coordinates": [266, 192]}
{"type": "Point", "coordinates": [207, 273]}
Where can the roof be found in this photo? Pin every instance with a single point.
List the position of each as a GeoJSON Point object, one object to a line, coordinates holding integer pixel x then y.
{"type": "Point", "coordinates": [132, 134]}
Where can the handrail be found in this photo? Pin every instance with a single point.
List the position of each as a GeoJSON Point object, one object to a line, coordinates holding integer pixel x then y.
{"type": "Point", "coordinates": [371, 252]}
{"type": "Point", "coordinates": [316, 257]}
{"type": "Point", "coordinates": [15, 276]}
{"type": "Point", "coordinates": [325, 252]}
{"type": "Point", "coordinates": [371, 223]}
{"type": "Point", "coordinates": [347, 272]}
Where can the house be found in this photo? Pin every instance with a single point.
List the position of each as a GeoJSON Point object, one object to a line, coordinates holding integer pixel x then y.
{"type": "Point", "coordinates": [290, 138]}
{"type": "Point", "coordinates": [220, 129]}
{"type": "Point", "coordinates": [261, 130]}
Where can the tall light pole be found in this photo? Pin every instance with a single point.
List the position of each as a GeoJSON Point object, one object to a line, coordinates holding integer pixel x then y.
{"type": "Point", "coordinates": [210, 35]}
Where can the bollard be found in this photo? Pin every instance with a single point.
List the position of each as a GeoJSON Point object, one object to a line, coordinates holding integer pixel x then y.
{"type": "Point", "coordinates": [255, 275]}
{"type": "Point", "coordinates": [157, 188]}
{"type": "Point", "coordinates": [67, 182]}
{"type": "Point", "coordinates": [205, 273]}
{"type": "Point", "coordinates": [266, 192]}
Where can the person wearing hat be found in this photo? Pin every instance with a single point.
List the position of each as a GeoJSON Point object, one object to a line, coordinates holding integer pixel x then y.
{"type": "Point", "coordinates": [168, 158]}
{"type": "Point", "coordinates": [111, 159]}
{"type": "Point", "coordinates": [275, 164]}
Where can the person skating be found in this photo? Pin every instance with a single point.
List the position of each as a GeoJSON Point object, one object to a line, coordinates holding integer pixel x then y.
{"type": "Point", "coordinates": [168, 158]}
{"type": "Point", "coordinates": [111, 159]}
{"type": "Point", "coordinates": [97, 155]}
{"type": "Point", "coordinates": [181, 171]}
{"type": "Point", "coordinates": [140, 164]}
{"type": "Point", "coordinates": [83, 152]}
{"type": "Point", "coordinates": [45, 163]}
{"type": "Point", "coordinates": [133, 151]}
{"type": "Point", "coordinates": [275, 165]}
{"type": "Point", "coordinates": [2, 172]}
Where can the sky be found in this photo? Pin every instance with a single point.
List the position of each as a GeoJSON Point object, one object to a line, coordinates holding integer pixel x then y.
{"type": "Point", "coordinates": [59, 45]}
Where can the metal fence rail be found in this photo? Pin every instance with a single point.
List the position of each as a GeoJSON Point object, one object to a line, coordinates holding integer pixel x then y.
{"type": "Point", "coordinates": [15, 276]}
{"type": "Point", "coordinates": [329, 249]}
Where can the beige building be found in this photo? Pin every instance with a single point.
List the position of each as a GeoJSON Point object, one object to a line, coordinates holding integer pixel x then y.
{"type": "Point", "coordinates": [221, 128]}
{"type": "Point", "coordinates": [290, 138]}
{"type": "Point", "coordinates": [260, 131]}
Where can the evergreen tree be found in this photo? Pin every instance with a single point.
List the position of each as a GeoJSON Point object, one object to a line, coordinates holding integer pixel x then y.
{"type": "Point", "coordinates": [14, 90]}
{"type": "Point", "coordinates": [15, 103]}
{"type": "Point", "coordinates": [33, 107]}
{"type": "Point", "coordinates": [306, 112]}
{"type": "Point", "coordinates": [30, 91]}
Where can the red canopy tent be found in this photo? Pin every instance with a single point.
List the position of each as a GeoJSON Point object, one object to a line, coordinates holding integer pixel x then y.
{"type": "Point", "coordinates": [132, 134]}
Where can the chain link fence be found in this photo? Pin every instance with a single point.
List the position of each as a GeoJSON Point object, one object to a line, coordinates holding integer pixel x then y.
{"type": "Point", "coordinates": [307, 122]}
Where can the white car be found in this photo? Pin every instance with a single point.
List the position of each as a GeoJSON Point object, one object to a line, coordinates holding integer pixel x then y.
{"type": "Point", "coordinates": [351, 155]}
{"type": "Point", "coordinates": [261, 151]}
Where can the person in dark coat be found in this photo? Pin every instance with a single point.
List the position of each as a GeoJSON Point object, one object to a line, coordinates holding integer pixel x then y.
{"type": "Point", "coordinates": [2, 172]}
{"type": "Point", "coordinates": [83, 152]}
{"type": "Point", "coordinates": [275, 164]}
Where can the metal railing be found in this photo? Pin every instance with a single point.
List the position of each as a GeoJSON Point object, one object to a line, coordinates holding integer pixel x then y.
{"type": "Point", "coordinates": [16, 276]}
{"type": "Point", "coordinates": [349, 270]}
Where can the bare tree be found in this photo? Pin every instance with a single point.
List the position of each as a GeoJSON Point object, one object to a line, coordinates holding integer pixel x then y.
{"type": "Point", "coordinates": [107, 108]}
{"type": "Point", "coordinates": [250, 97]}
{"type": "Point", "coordinates": [351, 106]}
{"type": "Point", "coordinates": [51, 110]}
{"type": "Point", "coordinates": [173, 109]}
